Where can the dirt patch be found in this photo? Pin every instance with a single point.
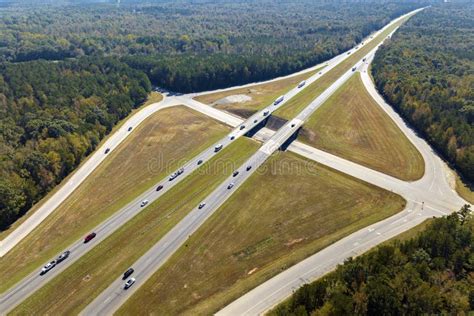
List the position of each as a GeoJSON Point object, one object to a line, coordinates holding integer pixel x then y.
{"type": "Point", "coordinates": [244, 113]}
{"type": "Point", "coordinates": [252, 271]}
{"type": "Point", "coordinates": [294, 241]}
{"type": "Point", "coordinates": [236, 98]}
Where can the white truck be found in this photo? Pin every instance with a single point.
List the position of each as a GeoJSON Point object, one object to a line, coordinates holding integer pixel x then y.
{"type": "Point", "coordinates": [279, 100]}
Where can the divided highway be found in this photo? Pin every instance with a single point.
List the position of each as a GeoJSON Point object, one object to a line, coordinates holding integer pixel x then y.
{"type": "Point", "coordinates": [34, 281]}
{"type": "Point", "coordinates": [115, 295]}
{"type": "Point", "coordinates": [146, 265]}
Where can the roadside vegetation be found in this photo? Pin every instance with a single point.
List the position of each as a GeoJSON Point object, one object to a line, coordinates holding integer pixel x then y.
{"type": "Point", "coordinates": [431, 273]}
{"type": "Point", "coordinates": [184, 46]}
{"type": "Point", "coordinates": [52, 117]}
{"type": "Point", "coordinates": [293, 208]}
{"type": "Point", "coordinates": [72, 290]}
{"type": "Point", "coordinates": [261, 95]}
{"type": "Point", "coordinates": [154, 149]}
{"type": "Point", "coordinates": [69, 73]}
{"type": "Point", "coordinates": [427, 74]}
{"type": "Point", "coordinates": [352, 125]}
{"type": "Point", "coordinates": [305, 97]}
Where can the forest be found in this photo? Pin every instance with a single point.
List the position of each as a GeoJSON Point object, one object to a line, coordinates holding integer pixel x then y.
{"type": "Point", "coordinates": [430, 274]}
{"type": "Point", "coordinates": [189, 46]}
{"type": "Point", "coordinates": [52, 116]}
{"type": "Point", "coordinates": [427, 73]}
{"type": "Point", "coordinates": [70, 72]}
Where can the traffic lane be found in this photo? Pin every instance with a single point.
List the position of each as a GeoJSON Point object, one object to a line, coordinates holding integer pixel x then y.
{"type": "Point", "coordinates": [112, 298]}
{"type": "Point", "coordinates": [34, 281]}
{"type": "Point", "coordinates": [275, 290]}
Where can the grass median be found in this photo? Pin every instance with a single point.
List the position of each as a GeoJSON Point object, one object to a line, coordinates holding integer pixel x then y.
{"type": "Point", "coordinates": [353, 126]}
{"type": "Point", "coordinates": [261, 95]}
{"type": "Point", "coordinates": [155, 148]}
{"type": "Point", "coordinates": [287, 211]}
{"type": "Point", "coordinates": [72, 290]}
{"type": "Point", "coordinates": [305, 97]}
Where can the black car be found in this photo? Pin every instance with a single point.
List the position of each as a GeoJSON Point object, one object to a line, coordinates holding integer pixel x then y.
{"type": "Point", "coordinates": [232, 137]}
{"type": "Point", "coordinates": [130, 128]}
{"type": "Point", "coordinates": [199, 161]}
{"type": "Point", "coordinates": [127, 273]}
{"type": "Point", "coordinates": [249, 167]}
{"type": "Point", "coordinates": [107, 150]}
{"type": "Point", "coordinates": [159, 187]}
{"type": "Point", "coordinates": [235, 173]}
{"type": "Point", "coordinates": [242, 127]}
{"type": "Point", "coordinates": [63, 256]}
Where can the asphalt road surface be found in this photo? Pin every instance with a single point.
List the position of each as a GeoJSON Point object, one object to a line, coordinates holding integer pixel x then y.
{"type": "Point", "coordinates": [34, 281]}
{"type": "Point", "coordinates": [115, 295]}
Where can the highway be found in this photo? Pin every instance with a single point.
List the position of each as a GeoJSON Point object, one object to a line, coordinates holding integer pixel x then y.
{"type": "Point", "coordinates": [432, 195]}
{"type": "Point", "coordinates": [178, 235]}
{"type": "Point", "coordinates": [34, 281]}
{"type": "Point", "coordinates": [120, 135]}
{"type": "Point", "coordinates": [114, 296]}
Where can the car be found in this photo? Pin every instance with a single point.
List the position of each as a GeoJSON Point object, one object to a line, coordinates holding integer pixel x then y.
{"type": "Point", "coordinates": [249, 167]}
{"type": "Point", "coordinates": [127, 273]}
{"type": "Point", "coordinates": [255, 121]}
{"type": "Point", "coordinates": [265, 113]}
{"type": "Point", "coordinates": [348, 53]}
{"type": "Point", "coordinates": [172, 177]}
{"type": "Point", "coordinates": [363, 59]}
{"type": "Point", "coordinates": [217, 148]}
{"type": "Point", "coordinates": [292, 125]}
{"type": "Point", "coordinates": [158, 188]}
{"type": "Point", "coordinates": [130, 128]}
{"type": "Point", "coordinates": [199, 162]}
{"type": "Point", "coordinates": [89, 237]}
{"type": "Point", "coordinates": [357, 47]}
{"type": "Point", "coordinates": [201, 205]}
{"type": "Point", "coordinates": [242, 127]}
{"type": "Point", "coordinates": [63, 256]}
{"type": "Point", "coordinates": [232, 137]}
{"type": "Point", "coordinates": [320, 72]}
{"type": "Point", "coordinates": [230, 186]}
{"type": "Point", "coordinates": [180, 171]}
{"type": "Point", "coordinates": [354, 68]}
{"type": "Point", "coordinates": [143, 203]}
{"type": "Point", "coordinates": [129, 283]}
{"type": "Point", "coordinates": [301, 84]}
{"type": "Point", "coordinates": [48, 267]}
{"type": "Point", "coordinates": [235, 173]}
{"type": "Point", "coordinates": [107, 151]}
{"type": "Point", "coordinates": [362, 43]}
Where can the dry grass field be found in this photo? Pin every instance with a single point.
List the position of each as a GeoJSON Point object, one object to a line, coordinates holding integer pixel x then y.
{"type": "Point", "coordinates": [291, 210]}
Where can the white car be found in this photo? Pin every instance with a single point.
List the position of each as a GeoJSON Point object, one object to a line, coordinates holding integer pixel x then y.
{"type": "Point", "coordinates": [201, 205]}
{"type": "Point", "coordinates": [48, 267]}
{"type": "Point", "coordinates": [129, 283]}
{"type": "Point", "coordinates": [144, 202]}
{"type": "Point", "coordinates": [230, 186]}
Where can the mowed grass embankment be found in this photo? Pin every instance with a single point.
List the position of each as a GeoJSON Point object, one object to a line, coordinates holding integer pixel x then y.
{"type": "Point", "coordinates": [78, 285]}
{"type": "Point", "coordinates": [277, 218]}
{"type": "Point", "coordinates": [153, 97]}
{"type": "Point", "coordinates": [262, 94]}
{"type": "Point", "coordinates": [305, 97]}
{"type": "Point", "coordinates": [464, 190]}
{"type": "Point", "coordinates": [154, 149]}
{"type": "Point", "coordinates": [350, 124]}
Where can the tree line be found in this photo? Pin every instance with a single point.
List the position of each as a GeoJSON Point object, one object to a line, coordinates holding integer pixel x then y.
{"type": "Point", "coordinates": [52, 115]}
{"type": "Point", "coordinates": [69, 73]}
{"type": "Point", "coordinates": [426, 72]}
{"type": "Point", "coordinates": [429, 274]}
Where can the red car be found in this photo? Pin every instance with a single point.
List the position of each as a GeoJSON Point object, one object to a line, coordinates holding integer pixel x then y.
{"type": "Point", "coordinates": [89, 237]}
